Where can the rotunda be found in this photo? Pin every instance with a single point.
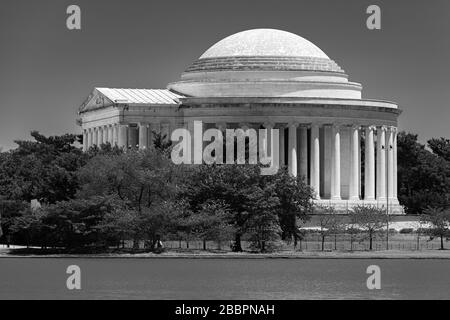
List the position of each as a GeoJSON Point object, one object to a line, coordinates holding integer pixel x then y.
{"type": "Point", "coordinates": [272, 79]}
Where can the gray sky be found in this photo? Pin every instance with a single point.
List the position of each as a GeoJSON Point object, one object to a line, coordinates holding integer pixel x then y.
{"type": "Point", "coordinates": [46, 71]}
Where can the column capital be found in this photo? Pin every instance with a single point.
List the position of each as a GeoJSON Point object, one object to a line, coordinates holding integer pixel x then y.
{"type": "Point", "coordinates": [371, 127]}
{"type": "Point", "coordinates": [222, 125]}
{"type": "Point", "coordinates": [336, 125]}
{"type": "Point", "coordinates": [269, 124]}
{"type": "Point", "coordinates": [392, 129]}
{"type": "Point", "coordinates": [293, 124]}
{"type": "Point", "coordinates": [355, 126]}
{"type": "Point", "coordinates": [244, 125]}
{"type": "Point", "coordinates": [382, 128]}
{"type": "Point", "coordinates": [305, 125]}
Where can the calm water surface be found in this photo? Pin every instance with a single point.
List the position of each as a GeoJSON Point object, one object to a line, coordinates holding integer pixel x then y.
{"type": "Point", "coordinates": [29, 278]}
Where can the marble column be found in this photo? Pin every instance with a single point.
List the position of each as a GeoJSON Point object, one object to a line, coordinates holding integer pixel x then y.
{"type": "Point", "coordinates": [104, 136]}
{"type": "Point", "coordinates": [115, 139]}
{"type": "Point", "coordinates": [99, 136]}
{"type": "Point", "coordinates": [292, 149]}
{"type": "Point", "coordinates": [381, 163]}
{"type": "Point", "coordinates": [265, 142]}
{"type": "Point", "coordinates": [390, 163]}
{"type": "Point", "coordinates": [303, 152]}
{"type": "Point", "coordinates": [133, 137]}
{"type": "Point", "coordinates": [85, 140]}
{"type": "Point", "coordinates": [354, 163]}
{"type": "Point", "coordinates": [90, 137]}
{"type": "Point", "coordinates": [369, 164]}
{"type": "Point", "coordinates": [359, 165]}
{"type": "Point", "coordinates": [395, 162]}
{"type": "Point", "coordinates": [282, 159]}
{"type": "Point", "coordinates": [94, 136]}
{"type": "Point", "coordinates": [123, 136]}
{"type": "Point", "coordinates": [143, 136]}
{"type": "Point", "coordinates": [336, 164]}
{"type": "Point", "coordinates": [315, 160]}
{"type": "Point", "coordinates": [110, 134]}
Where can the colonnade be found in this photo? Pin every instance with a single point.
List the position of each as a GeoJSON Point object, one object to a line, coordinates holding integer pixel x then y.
{"type": "Point", "coordinates": [380, 159]}
{"type": "Point", "coordinates": [327, 155]}
{"type": "Point", "coordinates": [138, 135]}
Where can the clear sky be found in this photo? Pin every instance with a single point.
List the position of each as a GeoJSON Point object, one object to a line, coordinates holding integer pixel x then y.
{"type": "Point", "coordinates": [46, 71]}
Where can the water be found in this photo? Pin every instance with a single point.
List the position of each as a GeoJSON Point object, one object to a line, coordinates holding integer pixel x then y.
{"type": "Point", "coordinates": [29, 278]}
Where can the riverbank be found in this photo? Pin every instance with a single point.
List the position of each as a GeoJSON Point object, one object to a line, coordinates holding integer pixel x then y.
{"type": "Point", "coordinates": [17, 252]}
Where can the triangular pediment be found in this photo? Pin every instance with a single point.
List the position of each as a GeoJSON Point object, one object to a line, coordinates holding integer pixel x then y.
{"type": "Point", "coordinates": [96, 100]}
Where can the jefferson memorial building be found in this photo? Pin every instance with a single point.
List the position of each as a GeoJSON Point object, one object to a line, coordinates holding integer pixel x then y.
{"type": "Point", "coordinates": [345, 146]}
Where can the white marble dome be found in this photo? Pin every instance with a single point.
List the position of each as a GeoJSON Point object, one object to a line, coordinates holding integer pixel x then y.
{"type": "Point", "coordinates": [264, 42]}
{"type": "Point", "coordinates": [265, 63]}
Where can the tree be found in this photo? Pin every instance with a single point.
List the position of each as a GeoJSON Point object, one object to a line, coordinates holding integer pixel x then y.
{"type": "Point", "coordinates": [263, 225]}
{"type": "Point", "coordinates": [43, 169]}
{"type": "Point", "coordinates": [142, 179]}
{"type": "Point", "coordinates": [29, 227]}
{"type": "Point", "coordinates": [353, 230]}
{"type": "Point", "coordinates": [138, 177]}
{"type": "Point", "coordinates": [294, 203]}
{"type": "Point", "coordinates": [9, 210]}
{"type": "Point", "coordinates": [423, 177]}
{"type": "Point", "coordinates": [119, 224]}
{"type": "Point", "coordinates": [229, 184]}
{"type": "Point", "coordinates": [211, 222]}
{"type": "Point", "coordinates": [439, 219]}
{"type": "Point", "coordinates": [328, 222]}
{"type": "Point", "coordinates": [369, 219]}
{"type": "Point", "coordinates": [74, 223]}
{"type": "Point", "coordinates": [440, 147]}
{"type": "Point", "coordinates": [264, 207]}
{"type": "Point", "coordinates": [161, 142]}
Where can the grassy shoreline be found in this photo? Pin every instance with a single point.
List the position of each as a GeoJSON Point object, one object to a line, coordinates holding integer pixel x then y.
{"type": "Point", "coordinates": [198, 254]}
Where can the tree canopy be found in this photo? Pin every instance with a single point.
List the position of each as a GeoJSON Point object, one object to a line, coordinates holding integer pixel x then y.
{"type": "Point", "coordinates": [423, 176]}
{"type": "Point", "coordinates": [43, 169]}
